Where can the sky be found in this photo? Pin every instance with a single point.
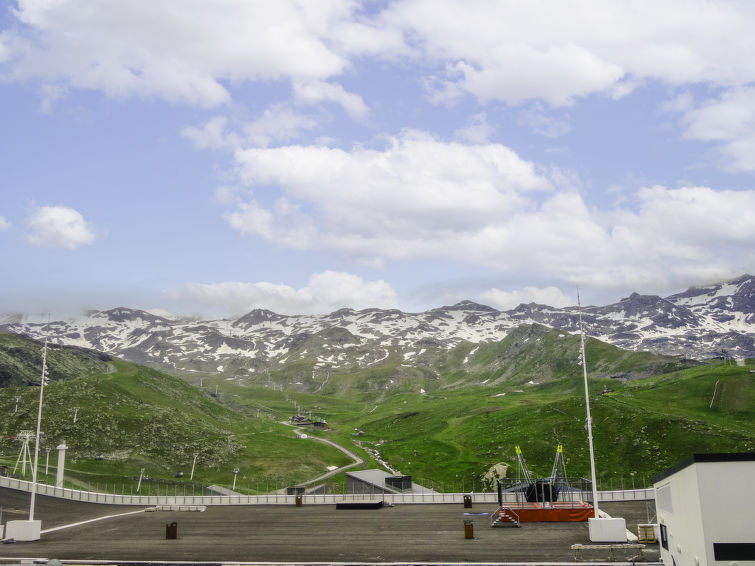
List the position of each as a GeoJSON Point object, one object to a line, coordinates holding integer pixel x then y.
{"type": "Point", "coordinates": [208, 157]}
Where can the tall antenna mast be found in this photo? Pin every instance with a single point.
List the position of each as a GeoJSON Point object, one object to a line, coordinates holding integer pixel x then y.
{"type": "Point", "coordinates": [42, 381]}
{"type": "Point", "coordinates": [589, 418]}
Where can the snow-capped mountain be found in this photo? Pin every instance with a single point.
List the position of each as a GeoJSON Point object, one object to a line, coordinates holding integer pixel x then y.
{"type": "Point", "coordinates": [700, 323]}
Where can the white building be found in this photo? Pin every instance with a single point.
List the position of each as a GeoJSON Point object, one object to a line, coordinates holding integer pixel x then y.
{"type": "Point", "coordinates": [706, 511]}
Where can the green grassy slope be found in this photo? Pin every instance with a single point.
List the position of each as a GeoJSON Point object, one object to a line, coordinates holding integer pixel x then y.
{"type": "Point", "coordinates": [21, 361]}
{"type": "Point", "coordinates": [528, 390]}
{"type": "Point", "coordinates": [535, 352]}
{"type": "Point", "coordinates": [137, 417]}
{"type": "Point", "coordinates": [641, 427]}
{"type": "Point", "coordinates": [446, 425]}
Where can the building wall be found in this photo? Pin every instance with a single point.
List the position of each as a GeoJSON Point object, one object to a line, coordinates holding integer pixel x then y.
{"type": "Point", "coordinates": [354, 485]}
{"type": "Point", "coordinates": [678, 508]}
{"type": "Point", "coordinates": [703, 504]}
{"type": "Point", "coordinates": [727, 495]}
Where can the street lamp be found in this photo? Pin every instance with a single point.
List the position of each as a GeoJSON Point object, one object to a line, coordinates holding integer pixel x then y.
{"type": "Point", "coordinates": [589, 417]}
{"type": "Point", "coordinates": [235, 474]}
{"type": "Point", "coordinates": [30, 530]}
{"type": "Point", "coordinates": [42, 382]}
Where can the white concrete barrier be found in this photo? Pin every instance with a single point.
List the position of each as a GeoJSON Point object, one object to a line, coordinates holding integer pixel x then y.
{"type": "Point", "coordinates": [612, 529]}
{"type": "Point", "coordinates": [23, 530]}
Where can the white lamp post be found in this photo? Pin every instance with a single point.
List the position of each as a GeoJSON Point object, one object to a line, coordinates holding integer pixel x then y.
{"type": "Point", "coordinates": [607, 529]}
{"type": "Point", "coordinates": [235, 473]}
{"type": "Point", "coordinates": [193, 464]}
{"type": "Point", "coordinates": [589, 418]}
{"type": "Point", "coordinates": [42, 381]}
{"type": "Point", "coordinates": [30, 530]}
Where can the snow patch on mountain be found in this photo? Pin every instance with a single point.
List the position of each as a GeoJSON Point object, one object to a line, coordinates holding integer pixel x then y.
{"type": "Point", "coordinates": [699, 323]}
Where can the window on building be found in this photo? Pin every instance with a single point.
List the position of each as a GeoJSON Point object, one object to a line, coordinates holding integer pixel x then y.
{"type": "Point", "coordinates": [664, 537]}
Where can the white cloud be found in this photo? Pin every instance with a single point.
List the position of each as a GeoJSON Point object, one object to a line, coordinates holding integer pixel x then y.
{"type": "Point", "coordinates": [162, 312]}
{"type": "Point", "coordinates": [326, 292]}
{"type": "Point", "coordinates": [556, 51]}
{"type": "Point", "coordinates": [689, 218]}
{"type": "Point", "coordinates": [509, 50]}
{"type": "Point", "coordinates": [543, 123]}
{"type": "Point", "coordinates": [278, 123]}
{"type": "Point", "coordinates": [315, 91]}
{"type": "Point", "coordinates": [4, 224]}
{"type": "Point", "coordinates": [677, 236]}
{"type": "Point", "coordinates": [423, 198]}
{"type": "Point", "coordinates": [513, 73]}
{"type": "Point", "coordinates": [230, 194]}
{"type": "Point", "coordinates": [50, 93]}
{"type": "Point", "coordinates": [5, 48]}
{"type": "Point", "coordinates": [477, 131]}
{"type": "Point", "coordinates": [680, 103]}
{"type": "Point", "coordinates": [515, 52]}
{"type": "Point", "coordinates": [729, 119]}
{"type": "Point", "coordinates": [284, 224]}
{"type": "Point", "coordinates": [504, 300]}
{"type": "Point", "coordinates": [212, 134]}
{"type": "Point", "coordinates": [625, 87]}
{"type": "Point", "coordinates": [399, 200]}
{"type": "Point", "coordinates": [184, 52]}
{"type": "Point", "coordinates": [58, 227]}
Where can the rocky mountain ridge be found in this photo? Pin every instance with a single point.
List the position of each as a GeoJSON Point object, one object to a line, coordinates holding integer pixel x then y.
{"type": "Point", "coordinates": [700, 323]}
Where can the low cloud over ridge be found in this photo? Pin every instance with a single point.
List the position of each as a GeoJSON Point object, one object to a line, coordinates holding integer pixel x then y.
{"type": "Point", "coordinates": [324, 293]}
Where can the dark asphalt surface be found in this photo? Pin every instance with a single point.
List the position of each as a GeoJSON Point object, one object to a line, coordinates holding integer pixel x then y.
{"type": "Point", "coordinates": [315, 533]}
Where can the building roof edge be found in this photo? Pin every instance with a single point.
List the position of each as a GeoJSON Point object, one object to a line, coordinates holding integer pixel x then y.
{"type": "Point", "coordinates": [714, 457]}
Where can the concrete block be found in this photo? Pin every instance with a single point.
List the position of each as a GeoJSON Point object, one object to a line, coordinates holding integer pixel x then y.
{"type": "Point", "coordinates": [23, 530]}
{"type": "Point", "coordinates": [607, 530]}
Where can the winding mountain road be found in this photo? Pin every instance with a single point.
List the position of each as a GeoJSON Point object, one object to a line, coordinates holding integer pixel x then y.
{"type": "Point", "coordinates": [358, 460]}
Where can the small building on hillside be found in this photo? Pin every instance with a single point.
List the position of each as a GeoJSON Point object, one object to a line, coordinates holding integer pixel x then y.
{"type": "Point", "coordinates": [380, 482]}
{"type": "Point", "coordinates": [706, 511]}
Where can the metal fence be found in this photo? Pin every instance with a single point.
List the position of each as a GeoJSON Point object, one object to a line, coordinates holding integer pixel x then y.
{"type": "Point", "coordinates": [279, 499]}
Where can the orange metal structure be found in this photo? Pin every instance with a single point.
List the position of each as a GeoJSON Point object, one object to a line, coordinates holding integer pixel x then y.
{"type": "Point", "coordinates": [557, 511]}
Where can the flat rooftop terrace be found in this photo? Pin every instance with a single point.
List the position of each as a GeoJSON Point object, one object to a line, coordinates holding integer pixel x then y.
{"type": "Point", "coordinates": [315, 533]}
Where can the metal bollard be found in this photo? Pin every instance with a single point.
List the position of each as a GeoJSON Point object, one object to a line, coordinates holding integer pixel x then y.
{"type": "Point", "coordinates": [467, 502]}
{"type": "Point", "coordinates": [171, 530]}
{"type": "Point", "coordinates": [298, 501]}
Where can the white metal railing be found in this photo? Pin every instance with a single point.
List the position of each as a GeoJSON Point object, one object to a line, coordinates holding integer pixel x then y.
{"type": "Point", "coordinates": [276, 499]}
{"type": "Point", "coordinates": [645, 494]}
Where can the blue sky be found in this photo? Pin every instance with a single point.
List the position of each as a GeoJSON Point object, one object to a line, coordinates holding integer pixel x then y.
{"type": "Point", "coordinates": [211, 157]}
